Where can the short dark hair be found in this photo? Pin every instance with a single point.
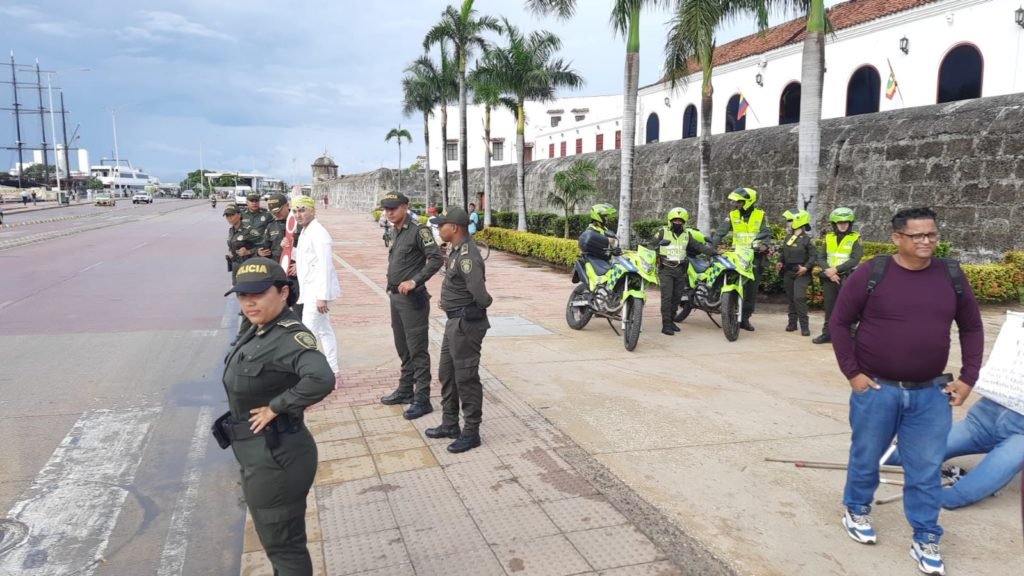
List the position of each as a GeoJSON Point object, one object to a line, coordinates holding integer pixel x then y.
{"type": "Point", "coordinates": [899, 221]}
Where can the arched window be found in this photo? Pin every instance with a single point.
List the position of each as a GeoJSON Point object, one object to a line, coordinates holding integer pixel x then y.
{"type": "Point", "coordinates": [863, 91]}
{"type": "Point", "coordinates": [732, 110]}
{"type": "Point", "coordinates": [960, 74]}
{"type": "Point", "coordinates": [789, 104]}
{"type": "Point", "coordinates": [690, 122]}
{"type": "Point", "coordinates": [653, 126]}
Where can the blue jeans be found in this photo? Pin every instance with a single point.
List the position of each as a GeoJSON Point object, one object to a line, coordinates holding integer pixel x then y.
{"type": "Point", "coordinates": [922, 419]}
{"type": "Point", "coordinates": [992, 429]}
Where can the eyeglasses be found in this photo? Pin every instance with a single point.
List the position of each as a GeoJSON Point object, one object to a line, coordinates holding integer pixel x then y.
{"type": "Point", "coordinates": [922, 237]}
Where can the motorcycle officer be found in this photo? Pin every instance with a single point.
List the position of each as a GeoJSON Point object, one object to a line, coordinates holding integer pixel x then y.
{"type": "Point", "coordinates": [672, 263]}
{"type": "Point", "coordinates": [842, 253]}
{"type": "Point", "coordinates": [213, 200]}
{"type": "Point", "coordinates": [598, 240]}
{"type": "Point", "coordinates": [796, 260]}
{"type": "Point", "coordinates": [749, 229]}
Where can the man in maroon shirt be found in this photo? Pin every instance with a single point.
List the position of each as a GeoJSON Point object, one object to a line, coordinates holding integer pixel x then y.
{"type": "Point", "coordinates": [895, 365]}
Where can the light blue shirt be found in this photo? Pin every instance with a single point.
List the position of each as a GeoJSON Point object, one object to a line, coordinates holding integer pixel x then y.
{"type": "Point", "coordinates": [474, 222]}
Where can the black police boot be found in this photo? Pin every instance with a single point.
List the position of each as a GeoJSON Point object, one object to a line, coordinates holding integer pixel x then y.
{"type": "Point", "coordinates": [825, 338]}
{"type": "Point", "coordinates": [396, 397]}
{"type": "Point", "coordinates": [804, 329]}
{"type": "Point", "coordinates": [667, 330]}
{"type": "Point", "coordinates": [675, 327]}
{"type": "Point", "coordinates": [746, 325]}
{"type": "Point", "coordinates": [443, 431]}
{"type": "Point", "coordinates": [466, 441]}
{"type": "Point", "coordinates": [791, 327]}
{"type": "Point", "coordinates": [417, 409]}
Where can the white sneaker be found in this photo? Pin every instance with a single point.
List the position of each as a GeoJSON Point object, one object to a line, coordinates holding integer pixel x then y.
{"type": "Point", "coordinates": [858, 527]}
{"type": "Point", "coordinates": [927, 556]}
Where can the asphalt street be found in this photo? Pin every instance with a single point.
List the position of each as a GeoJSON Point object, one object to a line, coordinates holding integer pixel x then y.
{"type": "Point", "coordinates": [113, 327]}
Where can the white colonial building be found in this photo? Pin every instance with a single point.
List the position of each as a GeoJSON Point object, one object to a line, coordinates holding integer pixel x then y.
{"type": "Point", "coordinates": [937, 50]}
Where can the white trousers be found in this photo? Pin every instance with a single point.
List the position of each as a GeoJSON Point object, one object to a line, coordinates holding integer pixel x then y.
{"type": "Point", "coordinates": [320, 325]}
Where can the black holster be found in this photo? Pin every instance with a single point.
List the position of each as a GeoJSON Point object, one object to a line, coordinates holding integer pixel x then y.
{"type": "Point", "coordinates": [220, 431]}
{"type": "Point", "coordinates": [473, 313]}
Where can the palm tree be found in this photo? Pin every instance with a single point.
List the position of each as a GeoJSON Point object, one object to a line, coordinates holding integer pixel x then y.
{"type": "Point", "coordinates": [399, 133]}
{"type": "Point", "coordinates": [440, 82]}
{"type": "Point", "coordinates": [420, 95]}
{"type": "Point", "coordinates": [463, 29]}
{"type": "Point", "coordinates": [810, 110]}
{"type": "Point", "coordinates": [692, 37]}
{"type": "Point", "coordinates": [573, 186]}
{"type": "Point", "coordinates": [488, 92]}
{"type": "Point", "coordinates": [625, 19]}
{"type": "Point", "coordinates": [527, 70]}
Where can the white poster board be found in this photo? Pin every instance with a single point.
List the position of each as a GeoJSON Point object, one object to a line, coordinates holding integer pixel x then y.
{"type": "Point", "coordinates": [1002, 377]}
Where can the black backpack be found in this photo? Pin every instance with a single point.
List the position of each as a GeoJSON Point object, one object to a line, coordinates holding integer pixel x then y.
{"type": "Point", "coordinates": [880, 264]}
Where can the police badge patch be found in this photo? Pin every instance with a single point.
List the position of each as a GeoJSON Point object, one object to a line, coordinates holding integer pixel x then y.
{"type": "Point", "coordinates": [427, 236]}
{"type": "Point", "coordinates": [306, 340]}
{"type": "Point", "coordinates": [466, 265]}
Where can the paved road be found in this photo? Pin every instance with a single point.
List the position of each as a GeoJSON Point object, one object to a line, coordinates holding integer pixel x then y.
{"type": "Point", "coordinates": [111, 342]}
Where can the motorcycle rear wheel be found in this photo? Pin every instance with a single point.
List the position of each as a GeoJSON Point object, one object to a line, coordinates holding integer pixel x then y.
{"type": "Point", "coordinates": [577, 316]}
{"type": "Point", "coordinates": [730, 315]}
{"type": "Point", "coordinates": [633, 313]}
{"type": "Point", "coordinates": [684, 310]}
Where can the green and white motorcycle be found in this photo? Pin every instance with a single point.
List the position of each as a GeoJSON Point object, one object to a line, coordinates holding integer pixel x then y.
{"type": "Point", "coordinates": [717, 288]}
{"type": "Point", "coordinates": [614, 290]}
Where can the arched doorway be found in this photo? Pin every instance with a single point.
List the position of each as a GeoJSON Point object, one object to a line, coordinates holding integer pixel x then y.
{"type": "Point", "coordinates": [789, 104]}
{"type": "Point", "coordinates": [690, 122]}
{"type": "Point", "coordinates": [732, 110]}
{"type": "Point", "coordinates": [960, 74]}
{"type": "Point", "coordinates": [653, 126]}
{"type": "Point", "coordinates": [863, 91]}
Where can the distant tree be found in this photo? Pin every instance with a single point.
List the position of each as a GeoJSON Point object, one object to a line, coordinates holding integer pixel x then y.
{"type": "Point", "coordinates": [399, 134]}
{"type": "Point", "coordinates": [572, 187]}
{"type": "Point", "coordinates": [39, 171]}
{"type": "Point", "coordinates": [94, 183]}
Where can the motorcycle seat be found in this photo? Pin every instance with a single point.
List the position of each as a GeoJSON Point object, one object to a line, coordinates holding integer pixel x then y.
{"type": "Point", "coordinates": [699, 265]}
{"type": "Point", "coordinates": [601, 266]}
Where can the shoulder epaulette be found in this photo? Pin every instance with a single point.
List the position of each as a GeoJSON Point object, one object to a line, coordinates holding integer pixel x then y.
{"type": "Point", "coordinates": [287, 323]}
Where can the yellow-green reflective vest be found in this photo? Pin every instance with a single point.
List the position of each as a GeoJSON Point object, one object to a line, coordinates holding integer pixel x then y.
{"type": "Point", "coordinates": [676, 251]}
{"type": "Point", "coordinates": [837, 253]}
{"type": "Point", "coordinates": [743, 233]}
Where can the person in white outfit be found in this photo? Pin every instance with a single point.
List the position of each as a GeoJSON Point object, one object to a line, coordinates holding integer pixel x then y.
{"type": "Point", "coordinates": [318, 280]}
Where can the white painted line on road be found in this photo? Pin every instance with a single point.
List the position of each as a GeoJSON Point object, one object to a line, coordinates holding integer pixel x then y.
{"type": "Point", "coordinates": [6, 304]}
{"type": "Point", "coordinates": [87, 268]}
{"type": "Point", "coordinates": [74, 503]}
{"type": "Point", "coordinates": [172, 559]}
{"type": "Point", "coordinates": [139, 246]}
{"type": "Point", "coordinates": [203, 333]}
{"type": "Point", "coordinates": [366, 280]}
{"type": "Point", "coordinates": [229, 321]}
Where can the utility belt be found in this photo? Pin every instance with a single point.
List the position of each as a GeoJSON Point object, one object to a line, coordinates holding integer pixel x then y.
{"type": "Point", "coordinates": [909, 385]}
{"type": "Point", "coordinates": [471, 313]}
{"type": "Point", "coordinates": [672, 263]}
{"type": "Point", "coordinates": [419, 296]}
{"type": "Point", "coordinates": [791, 267]}
{"type": "Point", "coordinates": [227, 430]}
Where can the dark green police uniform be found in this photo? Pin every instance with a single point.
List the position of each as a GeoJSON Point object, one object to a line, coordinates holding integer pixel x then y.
{"type": "Point", "coordinates": [275, 365]}
{"type": "Point", "coordinates": [672, 269]}
{"type": "Point", "coordinates": [275, 232]}
{"type": "Point", "coordinates": [797, 250]}
{"type": "Point", "coordinates": [842, 251]}
{"type": "Point", "coordinates": [238, 238]}
{"type": "Point", "coordinates": [464, 299]}
{"type": "Point", "coordinates": [257, 220]}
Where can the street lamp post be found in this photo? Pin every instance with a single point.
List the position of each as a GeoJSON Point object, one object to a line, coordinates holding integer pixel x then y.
{"type": "Point", "coordinates": [53, 126]}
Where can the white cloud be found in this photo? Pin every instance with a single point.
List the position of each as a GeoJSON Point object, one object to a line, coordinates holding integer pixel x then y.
{"type": "Point", "coordinates": [19, 12]}
{"type": "Point", "coordinates": [158, 26]}
{"type": "Point", "coordinates": [66, 29]}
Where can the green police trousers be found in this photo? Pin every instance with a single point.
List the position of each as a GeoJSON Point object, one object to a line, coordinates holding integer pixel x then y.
{"type": "Point", "coordinates": [275, 484]}
{"type": "Point", "coordinates": [410, 325]}
{"type": "Point", "coordinates": [673, 283]}
{"type": "Point", "coordinates": [830, 290]}
{"type": "Point", "coordinates": [750, 288]}
{"type": "Point", "coordinates": [796, 295]}
{"type": "Point", "coordinates": [459, 372]}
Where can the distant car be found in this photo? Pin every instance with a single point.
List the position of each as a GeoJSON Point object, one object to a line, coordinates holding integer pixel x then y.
{"type": "Point", "coordinates": [240, 199]}
{"type": "Point", "coordinates": [142, 198]}
{"type": "Point", "coordinates": [105, 199]}
{"type": "Point", "coordinates": [188, 195]}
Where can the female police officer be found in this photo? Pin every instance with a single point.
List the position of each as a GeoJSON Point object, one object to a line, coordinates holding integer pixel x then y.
{"type": "Point", "coordinates": [271, 376]}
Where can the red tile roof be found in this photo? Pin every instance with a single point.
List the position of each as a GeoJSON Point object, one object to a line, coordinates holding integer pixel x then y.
{"type": "Point", "coordinates": [842, 16]}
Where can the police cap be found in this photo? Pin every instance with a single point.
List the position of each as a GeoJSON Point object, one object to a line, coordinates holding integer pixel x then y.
{"type": "Point", "coordinates": [230, 210]}
{"type": "Point", "coordinates": [393, 200]}
{"type": "Point", "coordinates": [276, 202]}
{"type": "Point", "coordinates": [253, 197]}
{"type": "Point", "coordinates": [454, 215]}
{"type": "Point", "coordinates": [255, 275]}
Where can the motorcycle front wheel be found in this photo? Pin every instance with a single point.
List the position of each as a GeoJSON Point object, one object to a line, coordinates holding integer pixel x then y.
{"type": "Point", "coordinates": [577, 316]}
{"type": "Point", "coordinates": [633, 316]}
{"type": "Point", "coordinates": [730, 315]}
{"type": "Point", "coordinates": [685, 307]}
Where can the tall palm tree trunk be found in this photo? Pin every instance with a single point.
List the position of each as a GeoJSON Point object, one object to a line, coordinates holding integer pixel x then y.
{"type": "Point", "coordinates": [810, 111]}
{"type": "Point", "coordinates": [426, 170]}
{"type": "Point", "coordinates": [704, 191]}
{"type": "Point", "coordinates": [521, 166]}
{"type": "Point", "coordinates": [399, 164]}
{"type": "Point", "coordinates": [444, 156]}
{"type": "Point", "coordinates": [632, 81]}
{"type": "Point", "coordinates": [463, 133]}
{"type": "Point", "coordinates": [487, 165]}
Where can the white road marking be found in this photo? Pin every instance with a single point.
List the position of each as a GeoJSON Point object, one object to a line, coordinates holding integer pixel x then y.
{"type": "Point", "coordinates": [229, 321]}
{"type": "Point", "coordinates": [87, 268]}
{"type": "Point", "coordinates": [172, 559]}
{"type": "Point", "coordinates": [139, 246]}
{"type": "Point", "coordinates": [73, 504]}
{"type": "Point", "coordinates": [203, 333]}
{"type": "Point", "coordinates": [6, 304]}
{"type": "Point", "coordinates": [362, 277]}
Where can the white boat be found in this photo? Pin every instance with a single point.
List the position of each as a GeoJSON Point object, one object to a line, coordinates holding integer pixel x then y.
{"type": "Point", "coordinates": [122, 176]}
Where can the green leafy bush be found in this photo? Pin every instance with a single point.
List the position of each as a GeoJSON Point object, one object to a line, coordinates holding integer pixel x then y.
{"type": "Point", "coordinates": [992, 282]}
{"type": "Point", "coordinates": [645, 230]}
{"type": "Point", "coordinates": [558, 251]}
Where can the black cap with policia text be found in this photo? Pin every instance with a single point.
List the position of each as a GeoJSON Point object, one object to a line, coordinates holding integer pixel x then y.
{"type": "Point", "coordinates": [255, 275]}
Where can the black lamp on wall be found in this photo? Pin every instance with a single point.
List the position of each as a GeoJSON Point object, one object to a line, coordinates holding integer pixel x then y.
{"type": "Point", "coordinates": [905, 45]}
{"type": "Point", "coordinates": [759, 79]}
{"type": "Point", "coordinates": [1018, 16]}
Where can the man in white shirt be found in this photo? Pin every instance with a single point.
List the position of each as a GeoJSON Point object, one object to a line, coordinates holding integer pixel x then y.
{"type": "Point", "coordinates": [318, 280]}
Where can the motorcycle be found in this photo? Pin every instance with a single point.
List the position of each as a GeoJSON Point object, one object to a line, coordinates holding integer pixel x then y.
{"type": "Point", "coordinates": [717, 288]}
{"type": "Point", "coordinates": [213, 202]}
{"type": "Point", "coordinates": [613, 290]}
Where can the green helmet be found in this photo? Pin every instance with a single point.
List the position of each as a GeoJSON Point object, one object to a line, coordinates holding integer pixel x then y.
{"type": "Point", "coordinates": [841, 214]}
{"type": "Point", "coordinates": [797, 219]}
{"type": "Point", "coordinates": [746, 195]}
{"type": "Point", "coordinates": [602, 213]}
{"type": "Point", "coordinates": [680, 213]}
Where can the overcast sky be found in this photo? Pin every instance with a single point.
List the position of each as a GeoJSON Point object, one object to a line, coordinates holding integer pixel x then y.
{"type": "Point", "coordinates": [260, 84]}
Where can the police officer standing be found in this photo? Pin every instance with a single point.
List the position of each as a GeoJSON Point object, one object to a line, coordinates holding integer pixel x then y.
{"type": "Point", "coordinates": [275, 240]}
{"type": "Point", "coordinates": [254, 216]}
{"type": "Point", "coordinates": [843, 252]}
{"type": "Point", "coordinates": [796, 262]}
{"type": "Point", "coordinates": [465, 300]}
{"type": "Point", "coordinates": [672, 264]}
{"type": "Point", "coordinates": [412, 260]}
{"type": "Point", "coordinates": [749, 229]}
{"type": "Point", "coordinates": [242, 244]}
{"type": "Point", "coordinates": [271, 376]}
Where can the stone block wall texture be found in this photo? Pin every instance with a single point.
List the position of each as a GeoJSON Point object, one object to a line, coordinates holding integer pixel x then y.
{"type": "Point", "coordinates": [362, 192]}
{"type": "Point", "coordinates": [963, 159]}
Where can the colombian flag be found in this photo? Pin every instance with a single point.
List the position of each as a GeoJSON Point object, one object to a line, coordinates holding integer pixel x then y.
{"type": "Point", "coordinates": [742, 110]}
{"type": "Point", "coordinates": [890, 86]}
